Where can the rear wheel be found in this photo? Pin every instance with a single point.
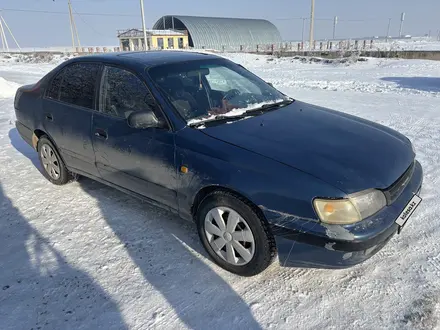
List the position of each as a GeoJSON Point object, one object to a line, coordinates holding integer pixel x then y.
{"type": "Point", "coordinates": [234, 235]}
{"type": "Point", "coordinates": [53, 166]}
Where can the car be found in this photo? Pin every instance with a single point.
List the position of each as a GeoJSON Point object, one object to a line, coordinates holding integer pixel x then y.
{"type": "Point", "coordinates": [260, 173]}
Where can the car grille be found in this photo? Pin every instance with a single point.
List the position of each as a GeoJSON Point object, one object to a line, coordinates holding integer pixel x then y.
{"type": "Point", "coordinates": [394, 191]}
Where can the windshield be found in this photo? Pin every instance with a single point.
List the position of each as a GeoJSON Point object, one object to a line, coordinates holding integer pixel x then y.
{"type": "Point", "coordinates": [208, 89]}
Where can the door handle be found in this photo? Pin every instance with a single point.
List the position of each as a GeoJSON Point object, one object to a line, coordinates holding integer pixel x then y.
{"type": "Point", "coordinates": [49, 117]}
{"type": "Point", "coordinates": [100, 133]}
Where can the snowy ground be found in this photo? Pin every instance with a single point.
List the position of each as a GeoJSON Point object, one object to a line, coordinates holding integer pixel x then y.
{"type": "Point", "coordinates": [408, 45]}
{"type": "Point", "coordinates": [85, 256]}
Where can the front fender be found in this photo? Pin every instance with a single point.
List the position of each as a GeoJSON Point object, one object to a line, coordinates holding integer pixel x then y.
{"type": "Point", "coordinates": [284, 194]}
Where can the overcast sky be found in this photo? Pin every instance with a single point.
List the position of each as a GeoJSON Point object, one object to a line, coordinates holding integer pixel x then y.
{"type": "Point", "coordinates": [368, 17]}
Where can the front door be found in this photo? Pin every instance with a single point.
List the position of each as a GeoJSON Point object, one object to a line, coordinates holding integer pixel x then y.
{"type": "Point", "coordinates": [67, 114]}
{"type": "Point", "coordinates": [140, 160]}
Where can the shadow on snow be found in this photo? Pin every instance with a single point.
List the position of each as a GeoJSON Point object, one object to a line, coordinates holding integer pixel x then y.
{"type": "Point", "coordinates": [166, 248]}
{"type": "Point", "coordinates": [38, 287]}
{"type": "Point", "coordinates": [425, 84]}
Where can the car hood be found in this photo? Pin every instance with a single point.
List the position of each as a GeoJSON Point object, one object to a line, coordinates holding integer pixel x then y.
{"type": "Point", "coordinates": [348, 152]}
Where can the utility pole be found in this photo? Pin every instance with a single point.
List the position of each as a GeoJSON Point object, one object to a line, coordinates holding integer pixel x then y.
{"type": "Point", "coordinates": [143, 25]}
{"type": "Point", "coordinates": [76, 32]}
{"type": "Point", "coordinates": [3, 36]}
{"type": "Point", "coordinates": [335, 22]}
{"type": "Point", "coordinates": [402, 18]}
{"type": "Point", "coordinates": [303, 29]}
{"type": "Point", "coordinates": [312, 23]}
{"type": "Point", "coordinates": [73, 29]}
{"type": "Point", "coordinates": [10, 32]}
{"type": "Point", "coordinates": [388, 31]}
{"type": "Point", "coordinates": [71, 22]}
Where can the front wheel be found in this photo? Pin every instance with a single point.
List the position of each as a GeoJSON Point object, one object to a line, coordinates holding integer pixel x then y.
{"type": "Point", "coordinates": [234, 235]}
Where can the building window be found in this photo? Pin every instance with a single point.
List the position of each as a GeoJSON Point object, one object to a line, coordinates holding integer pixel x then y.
{"type": "Point", "coordinates": [180, 43]}
{"type": "Point", "coordinates": [160, 43]}
{"type": "Point", "coordinates": [171, 43]}
{"type": "Point", "coordinates": [136, 44]}
{"type": "Point", "coordinates": [125, 44]}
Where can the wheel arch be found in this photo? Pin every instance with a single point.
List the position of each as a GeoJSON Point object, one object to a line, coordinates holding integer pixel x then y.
{"type": "Point", "coordinates": [205, 191]}
{"type": "Point", "coordinates": [36, 136]}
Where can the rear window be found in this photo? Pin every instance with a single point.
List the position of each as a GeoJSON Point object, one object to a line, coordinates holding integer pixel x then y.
{"type": "Point", "coordinates": [76, 85]}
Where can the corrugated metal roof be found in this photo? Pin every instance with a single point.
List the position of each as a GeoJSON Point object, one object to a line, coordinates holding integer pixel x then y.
{"type": "Point", "coordinates": [218, 32]}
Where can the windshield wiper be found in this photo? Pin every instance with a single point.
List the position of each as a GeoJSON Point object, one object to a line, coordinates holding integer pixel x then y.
{"type": "Point", "coordinates": [218, 119]}
{"type": "Point", "coordinates": [269, 107]}
{"type": "Point", "coordinates": [248, 113]}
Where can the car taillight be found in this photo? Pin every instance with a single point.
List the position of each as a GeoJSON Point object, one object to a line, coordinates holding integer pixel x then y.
{"type": "Point", "coordinates": [36, 87]}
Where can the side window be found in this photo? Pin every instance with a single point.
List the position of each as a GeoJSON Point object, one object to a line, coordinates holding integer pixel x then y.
{"type": "Point", "coordinates": [78, 85]}
{"type": "Point", "coordinates": [53, 91]}
{"type": "Point", "coordinates": [122, 93]}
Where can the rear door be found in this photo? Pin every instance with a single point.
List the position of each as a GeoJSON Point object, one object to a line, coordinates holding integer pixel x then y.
{"type": "Point", "coordinates": [67, 114]}
{"type": "Point", "coordinates": [140, 160]}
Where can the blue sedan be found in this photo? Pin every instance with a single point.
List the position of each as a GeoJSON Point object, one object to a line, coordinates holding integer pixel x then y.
{"type": "Point", "coordinates": [259, 173]}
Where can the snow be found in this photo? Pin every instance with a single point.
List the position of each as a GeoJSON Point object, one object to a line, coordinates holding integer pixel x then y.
{"type": "Point", "coordinates": [85, 256]}
{"type": "Point", "coordinates": [7, 88]}
{"type": "Point", "coordinates": [426, 44]}
{"type": "Point", "coordinates": [233, 112]}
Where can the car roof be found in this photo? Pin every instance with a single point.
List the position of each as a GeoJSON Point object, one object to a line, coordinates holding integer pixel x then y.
{"type": "Point", "coordinates": [149, 58]}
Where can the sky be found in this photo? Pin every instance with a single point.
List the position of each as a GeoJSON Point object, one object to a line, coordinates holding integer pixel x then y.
{"type": "Point", "coordinates": [357, 18]}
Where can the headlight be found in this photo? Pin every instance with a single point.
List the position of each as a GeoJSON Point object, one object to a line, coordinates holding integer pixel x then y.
{"type": "Point", "coordinates": [350, 210]}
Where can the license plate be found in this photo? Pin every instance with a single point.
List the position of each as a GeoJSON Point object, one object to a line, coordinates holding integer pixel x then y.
{"type": "Point", "coordinates": [408, 211]}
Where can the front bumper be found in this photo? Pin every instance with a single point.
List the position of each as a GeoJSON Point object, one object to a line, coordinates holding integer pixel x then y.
{"type": "Point", "coordinates": [309, 243]}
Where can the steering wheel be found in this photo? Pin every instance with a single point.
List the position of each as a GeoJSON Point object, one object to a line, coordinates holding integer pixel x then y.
{"type": "Point", "coordinates": [231, 94]}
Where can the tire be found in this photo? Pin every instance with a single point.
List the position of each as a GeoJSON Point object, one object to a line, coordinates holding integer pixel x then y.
{"type": "Point", "coordinates": [50, 160]}
{"type": "Point", "coordinates": [259, 253]}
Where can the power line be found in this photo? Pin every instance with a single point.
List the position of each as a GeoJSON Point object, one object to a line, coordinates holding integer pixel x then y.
{"type": "Point", "coordinates": [66, 13]}
{"type": "Point", "coordinates": [329, 19]}
{"type": "Point", "coordinates": [89, 25]}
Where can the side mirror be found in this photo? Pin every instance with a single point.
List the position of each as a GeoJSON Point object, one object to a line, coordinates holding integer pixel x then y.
{"type": "Point", "coordinates": [144, 119]}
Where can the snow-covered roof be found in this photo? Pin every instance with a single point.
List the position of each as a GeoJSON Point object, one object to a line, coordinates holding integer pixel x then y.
{"type": "Point", "coordinates": [133, 33]}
